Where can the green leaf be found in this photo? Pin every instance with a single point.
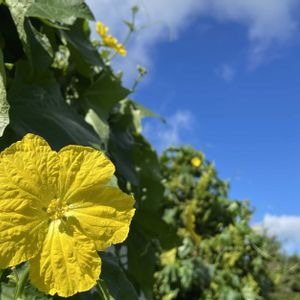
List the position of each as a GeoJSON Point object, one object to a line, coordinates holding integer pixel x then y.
{"type": "Point", "coordinates": [151, 189]}
{"type": "Point", "coordinates": [248, 293]}
{"type": "Point", "coordinates": [121, 145]}
{"type": "Point", "coordinates": [100, 98]}
{"type": "Point", "coordinates": [8, 289]}
{"type": "Point", "coordinates": [66, 11]}
{"type": "Point", "coordinates": [39, 107]}
{"type": "Point", "coordinates": [39, 51]}
{"type": "Point", "coordinates": [35, 44]}
{"type": "Point", "coordinates": [30, 293]}
{"type": "Point", "coordinates": [115, 279]}
{"type": "Point", "coordinates": [101, 127]}
{"type": "Point", "coordinates": [141, 261]}
{"type": "Point", "coordinates": [104, 93]}
{"type": "Point", "coordinates": [83, 54]}
{"type": "Point", "coordinates": [136, 160]}
{"type": "Point", "coordinates": [152, 226]}
{"type": "Point", "coordinates": [146, 112]}
{"type": "Point", "coordinates": [4, 107]}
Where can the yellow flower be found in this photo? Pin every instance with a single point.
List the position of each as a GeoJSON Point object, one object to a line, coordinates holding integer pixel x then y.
{"type": "Point", "coordinates": [56, 211]}
{"type": "Point", "coordinates": [196, 161]}
{"type": "Point", "coordinates": [112, 42]}
{"type": "Point", "coordinates": [121, 50]}
{"type": "Point", "coordinates": [109, 40]}
{"type": "Point", "coordinates": [101, 29]}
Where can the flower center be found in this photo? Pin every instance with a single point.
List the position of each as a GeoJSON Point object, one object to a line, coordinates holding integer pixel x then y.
{"type": "Point", "coordinates": [56, 209]}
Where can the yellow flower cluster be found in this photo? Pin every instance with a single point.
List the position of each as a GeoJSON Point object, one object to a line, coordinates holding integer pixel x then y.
{"type": "Point", "coordinates": [57, 211]}
{"type": "Point", "coordinates": [109, 40]}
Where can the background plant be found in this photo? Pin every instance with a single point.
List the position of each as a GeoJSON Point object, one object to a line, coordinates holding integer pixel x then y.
{"type": "Point", "coordinates": [188, 240]}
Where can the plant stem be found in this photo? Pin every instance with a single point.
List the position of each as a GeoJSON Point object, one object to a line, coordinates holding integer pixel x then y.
{"type": "Point", "coordinates": [22, 280]}
{"type": "Point", "coordinates": [102, 291]}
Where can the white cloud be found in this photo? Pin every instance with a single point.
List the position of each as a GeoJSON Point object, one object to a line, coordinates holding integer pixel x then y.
{"type": "Point", "coordinates": [268, 22]}
{"type": "Point", "coordinates": [286, 228]}
{"type": "Point", "coordinates": [226, 72]}
{"type": "Point", "coordinates": [171, 133]}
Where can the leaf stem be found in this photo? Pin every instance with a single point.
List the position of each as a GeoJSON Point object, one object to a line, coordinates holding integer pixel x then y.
{"type": "Point", "coordinates": [102, 291]}
{"type": "Point", "coordinates": [129, 33]}
{"type": "Point", "coordinates": [22, 280]}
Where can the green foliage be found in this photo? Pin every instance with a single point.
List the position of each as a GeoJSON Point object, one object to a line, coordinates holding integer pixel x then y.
{"type": "Point", "coordinates": [220, 255]}
{"type": "Point", "coordinates": [58, 86]}
{"type": "Point", "coordinates": [114, 276]}
{"type": "Point", "coordinates": [65, 12]}
{"type": "Point", "coordinates": [188, 240]}
{"type": "Point", "coordinates": [285, 272]}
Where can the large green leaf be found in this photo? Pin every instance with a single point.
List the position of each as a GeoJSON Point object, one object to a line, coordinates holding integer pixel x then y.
{"type": "Point", "coordinates": [39, 107]}
{"type": "Point", "coordinates": [116, 280]}
{"type": "Point", "coordinates": [4, 107]}
{"type": "Point", "coordinates": [65, 11]}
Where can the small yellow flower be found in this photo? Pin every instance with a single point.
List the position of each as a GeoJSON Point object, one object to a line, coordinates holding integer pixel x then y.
{"type": "Point", "coordinates": [121, 50]}
{"type": "Point", "coordinates": [112, 42]}
{"type": "Point", "coordinates": [56, 211]}
{"type": "Point", "coordinates": [196, 161]}
{"type": "Point", "coordinates": [101, 29]}
{"type": "Point", "coordinates": [109, 40]}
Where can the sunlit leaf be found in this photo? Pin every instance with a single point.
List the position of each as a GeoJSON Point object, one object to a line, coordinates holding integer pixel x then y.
{"type": "Point", "coordinates": [60, 11]}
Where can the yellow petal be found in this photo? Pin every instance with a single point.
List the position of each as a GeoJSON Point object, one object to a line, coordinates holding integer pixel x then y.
{"type": "Point", "coordinates": [82, 168]}
{"type": "Point", "coordinates": [28, 179]}
{"type": "Point", "coordinates": [110, 41]}
{"type": "Point", "coordinates": [101, 29]}
{"type": "Point", "coordinates": [121, 50]}
{"type": "Point", "coordinates": [68, 262]}
{"type": "Point", "coordinates": [102, 215]}
{"type": "Point", "coordinates": [29, 170]}
{"type": "Point", "coordinates": [22, 230]}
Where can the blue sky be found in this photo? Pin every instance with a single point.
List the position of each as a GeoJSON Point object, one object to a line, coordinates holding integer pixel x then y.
{"type": "Point", "coordinates": [225, 76]}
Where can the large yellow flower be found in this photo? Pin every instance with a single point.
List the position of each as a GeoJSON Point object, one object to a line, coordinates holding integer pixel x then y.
{"type": "Point", "coordinates": [56, 211]}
